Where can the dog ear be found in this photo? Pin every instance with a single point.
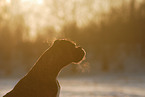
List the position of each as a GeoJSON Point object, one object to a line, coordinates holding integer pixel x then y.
{"type": "Point", "coordinates": [57, 42]}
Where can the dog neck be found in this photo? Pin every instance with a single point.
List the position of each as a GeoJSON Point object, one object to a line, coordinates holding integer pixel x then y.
{"type": "Point", "coordinates": [48, 67]}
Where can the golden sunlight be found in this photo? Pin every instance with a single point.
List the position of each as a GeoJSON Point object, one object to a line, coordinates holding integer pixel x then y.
{"type": "Point", "coordinates": [8, 1]}
{"type": "Point", "coordinates": [34, 1]}
{"type": "Point", "coordinates": [54, 14]}
{"type": "Point", "coordinates": [112, 33]}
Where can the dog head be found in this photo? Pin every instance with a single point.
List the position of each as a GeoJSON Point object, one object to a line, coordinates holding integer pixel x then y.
{"type": "Point", "coordinates": [69, 50]}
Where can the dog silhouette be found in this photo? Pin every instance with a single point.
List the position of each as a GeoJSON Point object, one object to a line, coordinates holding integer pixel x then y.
{"type": "Point", "coordinates": [41, 80]}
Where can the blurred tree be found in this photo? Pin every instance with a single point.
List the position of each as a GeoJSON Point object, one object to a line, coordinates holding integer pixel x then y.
{"type": "Point", "coordinates": [132, 10]}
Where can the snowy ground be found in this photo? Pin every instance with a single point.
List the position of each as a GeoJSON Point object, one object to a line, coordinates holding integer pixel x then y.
{"type": "Point", "coordinates": [98, 86]}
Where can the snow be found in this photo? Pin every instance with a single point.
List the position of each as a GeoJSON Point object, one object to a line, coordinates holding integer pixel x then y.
{"type": "Point", "coordinates": [94, 86]}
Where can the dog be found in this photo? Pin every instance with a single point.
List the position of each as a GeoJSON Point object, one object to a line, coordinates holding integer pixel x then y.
{"type": "Point", "coordinates": [41, 80]}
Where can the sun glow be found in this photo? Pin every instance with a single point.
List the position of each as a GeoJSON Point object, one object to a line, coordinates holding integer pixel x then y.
{"type": "Point", "coordinates": [34, 1]}
{"type": "Point", "coordinates": [8, 1]}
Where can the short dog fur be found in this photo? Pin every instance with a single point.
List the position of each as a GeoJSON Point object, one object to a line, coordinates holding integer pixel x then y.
{"type": "Point", "coordinates": [41, 80]}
